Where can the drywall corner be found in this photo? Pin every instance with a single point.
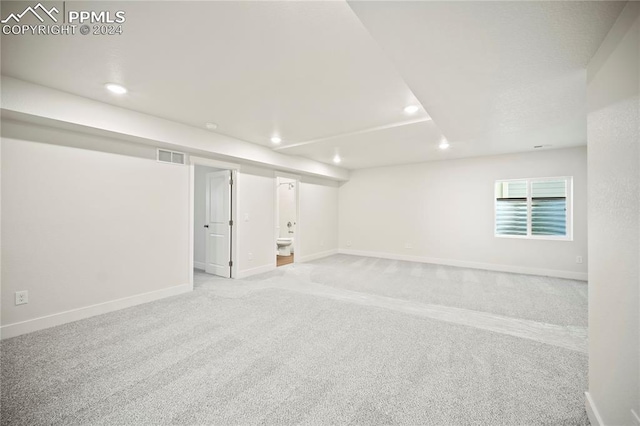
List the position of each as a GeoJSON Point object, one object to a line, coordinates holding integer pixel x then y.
{"type": "Point", "coordinates": [592, 411]}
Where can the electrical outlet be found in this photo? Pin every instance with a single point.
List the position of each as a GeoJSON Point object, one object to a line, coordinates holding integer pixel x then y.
{"type": "Point", "coordinates": [348, 243]}
{"type": "Point", "coordinates": [578, 259]}
{"type": "Point", "coordinates": [250, 257]}
{"type": "Point", "coordinates": [246, 217]}
{"type": "Point", "coordinates": [408, 246]}
{"type": "Point", "coordinates": [22, 297]}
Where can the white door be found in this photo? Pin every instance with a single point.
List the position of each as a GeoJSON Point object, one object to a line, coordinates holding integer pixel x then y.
{"type": "Point", "coordinates": [218, 223]}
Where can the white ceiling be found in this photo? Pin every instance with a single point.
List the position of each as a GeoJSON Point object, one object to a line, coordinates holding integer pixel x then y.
{"type": "Point", "coordinates": [495, 77]}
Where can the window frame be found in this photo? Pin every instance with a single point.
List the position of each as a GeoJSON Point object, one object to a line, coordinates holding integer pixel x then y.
{"type": "Point", "coordinates": [568, 214]}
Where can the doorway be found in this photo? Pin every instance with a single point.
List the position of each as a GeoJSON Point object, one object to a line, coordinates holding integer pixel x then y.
{"type": "Point", "coordinates": [213, 212]}
{"type": "Point", "coordinates": [217, 223]}
{"type": "Point", "coordinates": [286, 219]}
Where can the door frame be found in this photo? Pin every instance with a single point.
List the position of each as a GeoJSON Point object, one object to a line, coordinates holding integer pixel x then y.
{"type": "Point", "coordinates": [234, 168]}
{"type": "Point", "coordinates": [296, 237]}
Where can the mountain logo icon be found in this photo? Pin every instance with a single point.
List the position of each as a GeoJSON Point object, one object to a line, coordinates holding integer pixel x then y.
{"type": "Point", "coordinates": [34, 11]}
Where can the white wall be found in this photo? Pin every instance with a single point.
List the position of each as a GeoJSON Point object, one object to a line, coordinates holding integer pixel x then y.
{"type": "Point", "coordinates": [614, 228]}
{"type": "Point", "coordinates": [200, 214]}
{"type": "Point", "coordinates": [317, 226]}
{"type": "Point", "coordinates": [445, 212]}
{"type": "Point", "coordinates": [42, 104]}
{"type": "Point", "coordinates": [318, 230]}
{"type": "Point", "coordinates": [98, 229]}
{"type": "Point", "coordinates": [83, 228]}
{"type": "Point", "coordinates": [256, 217]}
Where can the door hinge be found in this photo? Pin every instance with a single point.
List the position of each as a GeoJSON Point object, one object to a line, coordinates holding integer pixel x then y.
{"type": "Point", "coordinates": [231, 223]}
{"type": "Point", "coordinates": [231, 263]}
{"type": "Point", "coordinates": [231, 181]}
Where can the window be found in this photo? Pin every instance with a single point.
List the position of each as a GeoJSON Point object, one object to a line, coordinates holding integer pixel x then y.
{"type": "Point", "coordinates": [534, 208]}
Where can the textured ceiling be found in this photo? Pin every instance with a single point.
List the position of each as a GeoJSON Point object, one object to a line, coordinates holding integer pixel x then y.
{"type": "Point", "coordinates": [299, 70]}
{"type": "Point", "coordinates": [503, 76]}
{"type": "Point", "coordinates": [332, 77]}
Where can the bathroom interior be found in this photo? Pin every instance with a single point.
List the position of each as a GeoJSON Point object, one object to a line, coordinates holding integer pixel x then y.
{"type": "Point", "coordinates": [286, 220]}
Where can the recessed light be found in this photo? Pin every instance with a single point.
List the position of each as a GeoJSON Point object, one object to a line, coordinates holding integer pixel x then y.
{"type": "Point", "coordinates": [444, 144]}
{"type": "Point", "coordinates": [276, 140]}
{"type": "Point", "coordinates": [116, 88]}
{"type": "Point", "coordinates": [411, 109]}
{"type": "Point", "coordinates": [211, 126]}
{"type": "Point", "coordinates": [336, 159]}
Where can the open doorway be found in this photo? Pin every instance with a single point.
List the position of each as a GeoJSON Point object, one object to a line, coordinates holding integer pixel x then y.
{"type": "Point", "coordinates": [213, 224]}
{"type": "Point", "coordinates": [286, 219]}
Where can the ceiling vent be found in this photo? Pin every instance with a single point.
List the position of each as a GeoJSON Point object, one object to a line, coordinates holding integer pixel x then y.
{"type": "Point", "coordinates": [172, 157]}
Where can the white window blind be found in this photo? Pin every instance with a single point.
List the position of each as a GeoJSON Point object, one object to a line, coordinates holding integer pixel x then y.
{"type": "Point", "coordinates": [533, 208]}
{"type": "Point", "coordinates": [549, 207]}
{"type": "Point", "coordinates": [511, 208]}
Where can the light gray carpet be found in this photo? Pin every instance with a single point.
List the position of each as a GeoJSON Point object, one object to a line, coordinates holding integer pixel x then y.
{"type": "Point", "coordinates": [297, 346]}
{"type": "Point", "coordinates": [545, 299]}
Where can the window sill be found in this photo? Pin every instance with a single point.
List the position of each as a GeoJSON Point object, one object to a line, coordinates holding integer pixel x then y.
{"type": "Point", "coordinates": [535, 237]}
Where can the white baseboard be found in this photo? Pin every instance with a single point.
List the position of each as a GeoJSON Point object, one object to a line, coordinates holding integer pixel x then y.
{"type": "Point", "coordinates": [592, 411]}
{"type": "Point", "coordinates": [23, 327]}
{"type": "Point", "coordinates": [199, 265]}
{"type": "Point", "coordinates": [475, 265]}
{"type": "Point", "coordinates": [316, 256]}
{"type": "Point", "coordinates": [255, 271]}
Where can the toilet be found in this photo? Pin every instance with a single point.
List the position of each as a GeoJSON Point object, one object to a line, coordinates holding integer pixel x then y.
{"type": "Point", "coordinates": [285, 246]}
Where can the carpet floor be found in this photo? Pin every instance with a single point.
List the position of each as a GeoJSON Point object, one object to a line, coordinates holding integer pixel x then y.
{"type": "Point", "coordinates": [342, 340]}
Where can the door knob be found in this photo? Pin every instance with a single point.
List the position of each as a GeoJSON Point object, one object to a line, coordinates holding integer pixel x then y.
{"type": "Point", "coordinates": [206, 226]}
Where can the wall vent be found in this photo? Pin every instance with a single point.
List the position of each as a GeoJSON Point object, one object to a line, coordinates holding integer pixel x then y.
{"type": "Point", "coordinates": [173, 157]}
